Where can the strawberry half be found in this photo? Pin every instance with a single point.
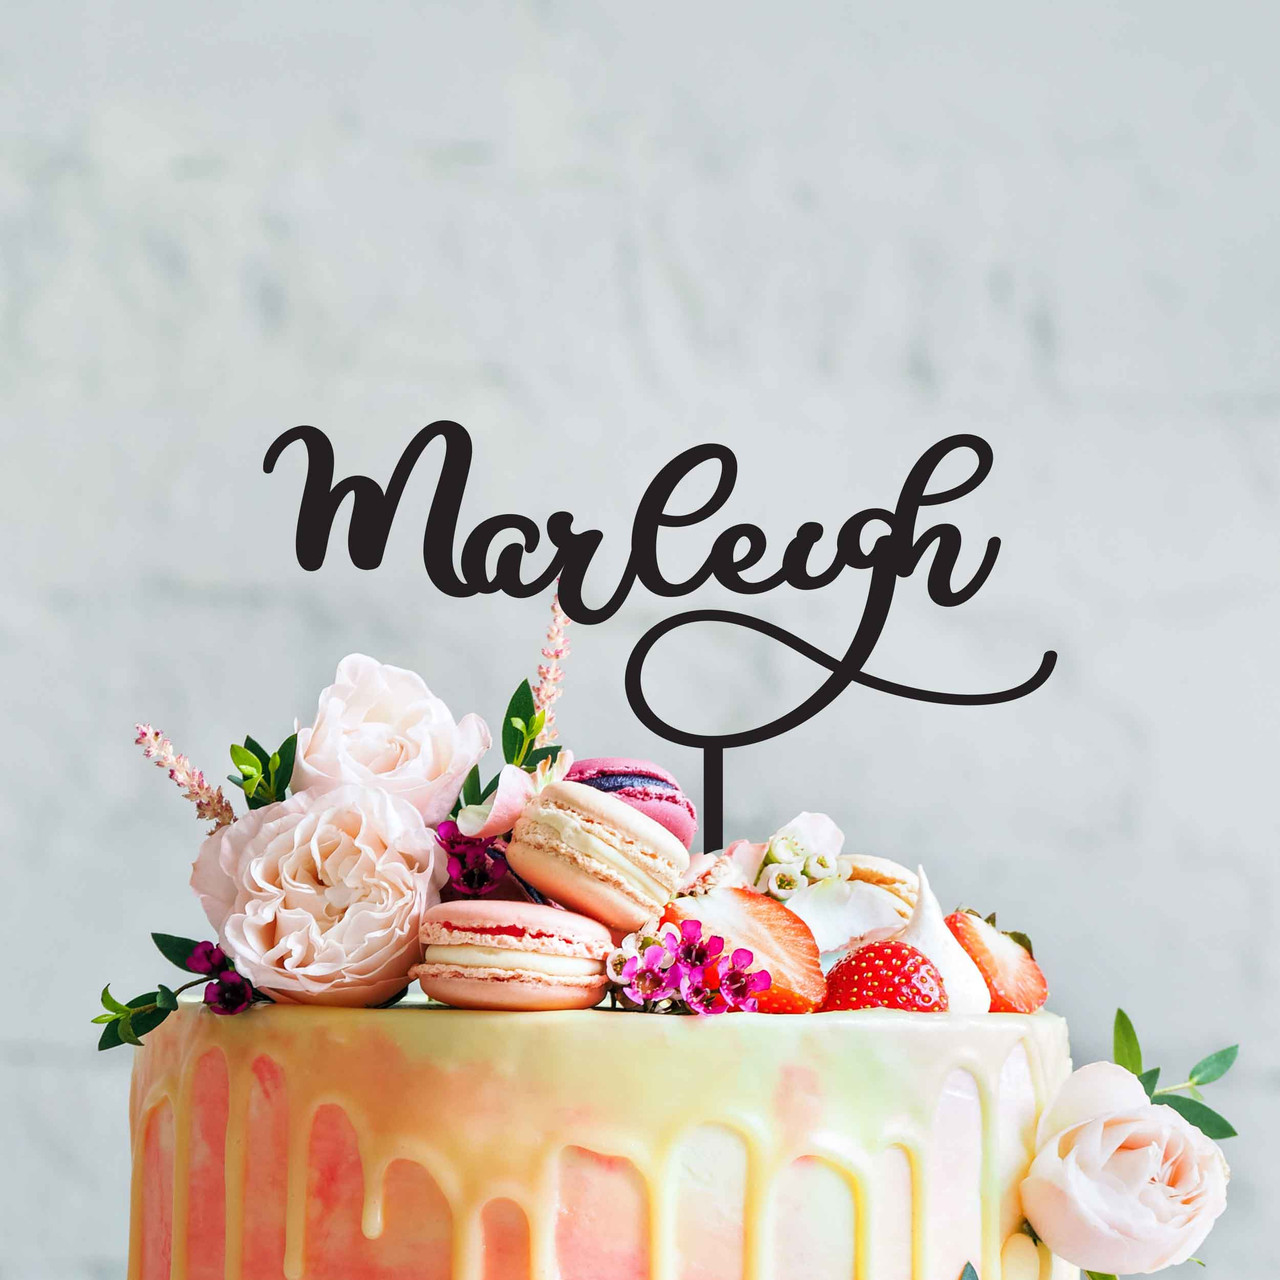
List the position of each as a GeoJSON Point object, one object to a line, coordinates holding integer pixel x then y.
{"type": "Point", "coordinates": [777, 938]}
{"type": "Point", "coordinates": [1016, 982]}
{"type": "Point", "coordinates": [886, 975]}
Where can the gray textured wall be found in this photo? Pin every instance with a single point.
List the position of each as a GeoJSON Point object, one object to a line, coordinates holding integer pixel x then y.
{"type": "Point", "coordinates": [825, 235]}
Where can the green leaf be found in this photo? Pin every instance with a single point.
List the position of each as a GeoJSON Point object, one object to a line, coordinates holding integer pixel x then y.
{"type": "Point", "coordinates": [284, 774]}
{"type": "Point", "coordinates": [149, 1021]}
{"type": "Point", "coordinates": [1215, 1066]}
{"type": "Point", "coordinates": [109, 1001]}
{"type": "Point", "coordinates": [104, 1017]}
{"type": "Point", "coordinates": [1193, 1092]}
{"type": "Point", "coordinates": [991, 920]}
{"type": "Point", "coordinates": [490, 788]}
{"type": "Point", "coordinates": [1125, 1048]}
{"type": "Point", "coordinates": [260, 795]}
{"type": "Point", "coordinates": [247, 761]}
{"type": "Point", "coordinates": [1208, 1121]}
{"type": "Point", "coordinates": [174, 949]}
{"type": "Point", "coordinates": [258, 750]}
{"type": "Point", "coordinates": [539, 754]}
{"type": "Point", "coordinates": [110, 1037]}
{"type": "Point", "coordinates": [1149, 1080]}
{"type": "Point", "coordinates": [1022, 940]}
{"type": "Point", "coordinates": [471, 786]}
{"type": "Point", "coordinates": [1100, 1275]}
{"type": "Point", "coordinates": [521, 707]}
{"type": "Point", "coordinates": [968, 1273]}
{"type": "Point", "coordinates": [124, 1025]}
{"type": "Point", "coordinates": [539, 723]}
{"type": "Point", "coordinates": [165, 998]}
{"type": "Point", "coordinates": [519, 724]}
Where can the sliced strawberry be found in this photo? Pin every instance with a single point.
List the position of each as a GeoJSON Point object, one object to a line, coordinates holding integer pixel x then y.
{"type": "Point", "coordinates": [777, 938]}
{"type": "Point", "coordinates": [886, 975]}
{"type": "Point", "coordinates": [1014, 979]}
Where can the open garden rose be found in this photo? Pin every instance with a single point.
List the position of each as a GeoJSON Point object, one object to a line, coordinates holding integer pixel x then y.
{"type": "Point", "coordinates": [381, 726]}
{"type": "Point", "coordinates": [1120, 1184]}
{"type": "Point", "coordinates": [318, 899]}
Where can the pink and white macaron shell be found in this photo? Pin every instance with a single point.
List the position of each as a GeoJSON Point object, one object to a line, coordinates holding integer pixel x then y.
{"type": "Point", "coordinates": [646, 787]}
{"type": "Point", "coordinates": [519, 956]}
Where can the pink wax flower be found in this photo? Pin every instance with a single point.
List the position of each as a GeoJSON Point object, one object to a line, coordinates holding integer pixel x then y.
{"type": "Point", "coordinates": [207, 957]}
{"type": "Point", "coordinates": [694, 952]}
{"type": "Point", "coordinates": [739, 984]}
{"type": "Point", "coordinates": [229, 993]}
{"type": "Point", "coordinates": [651, 975]}
{"type": "Point", "coordinates": [476, 868]}
{"type": "Point", "coordinates": [701, 998]}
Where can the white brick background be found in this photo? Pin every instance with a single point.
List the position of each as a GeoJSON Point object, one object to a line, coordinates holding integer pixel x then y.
{"type": "Point", "coordinates": [825, 235]}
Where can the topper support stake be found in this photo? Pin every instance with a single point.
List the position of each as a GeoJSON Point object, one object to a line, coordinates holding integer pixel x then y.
{"type": "Point", "coordinates": [712, 798]}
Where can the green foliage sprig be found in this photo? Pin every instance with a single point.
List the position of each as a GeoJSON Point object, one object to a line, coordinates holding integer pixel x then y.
{"type": "Point", "coordinates": [263, 778]}
{"type": "Point", "coordinates": [1127, 1053]}
{"type": "Point", "coordinates": [128, 1023]}
{"type": "Point", "coordinates": [521, 726]}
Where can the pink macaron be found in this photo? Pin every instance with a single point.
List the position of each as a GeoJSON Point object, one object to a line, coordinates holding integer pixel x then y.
{"type": "Point", "coordinates": [644, 786]}
{"type": "Point", "coordinates": [488, 954]}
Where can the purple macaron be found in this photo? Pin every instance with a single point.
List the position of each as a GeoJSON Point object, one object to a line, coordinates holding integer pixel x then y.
{"type": "Point", "coordinates": [644, 786]}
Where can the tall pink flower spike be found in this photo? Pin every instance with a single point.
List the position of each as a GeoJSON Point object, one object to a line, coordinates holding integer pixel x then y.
{"type": "Point", "coordinates": [550, 673]}
{"type": "Point", "coordinates": [211, 804]}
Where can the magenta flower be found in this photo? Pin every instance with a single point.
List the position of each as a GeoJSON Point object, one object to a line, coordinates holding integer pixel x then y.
{"type": "Point", "coordinates": [475, 869]}
{"type": "Point", "coordinates": [701, 998]}
{"type": "Point", "coordinates": [651, 975]}
{"type": "Point", "coordinates": [692, 950]}
{"type": "Point", "coordinates": [739, 985]}
{"type": "Point", "coordinates": [207, 957]}
{"type": "Point", "coordinates": [229, 992]}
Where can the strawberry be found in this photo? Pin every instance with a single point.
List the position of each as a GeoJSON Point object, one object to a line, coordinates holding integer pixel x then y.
{"type": "Point", "coordinates": [1014, 979]}
{"type": "Point", "coordinates": [777, 938]}
{"type": "Point", "coordinates": [886, 975]}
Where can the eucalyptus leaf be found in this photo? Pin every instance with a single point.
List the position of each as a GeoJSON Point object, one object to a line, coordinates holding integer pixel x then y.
{"type": "Point", "coordinates": [1149, 1080]}
{"type": "Point", "coordinates": [175, 950]}
{"type": "Point", "coordinates": [522, 708]}
{"type": "Point", "coordinates": [1215, 1066]}
{"type": "Point", "coordinates": [1208, 1121]}
{"type": "Point", "coordinates": [1125, 1047]}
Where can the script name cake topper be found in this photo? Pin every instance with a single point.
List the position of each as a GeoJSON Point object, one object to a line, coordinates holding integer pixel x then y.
{"type": "Point", "coordinates": [883, 541]}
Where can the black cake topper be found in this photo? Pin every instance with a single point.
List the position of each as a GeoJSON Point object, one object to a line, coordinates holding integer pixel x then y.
{"type": "Point", "coordinates": [895, 552]}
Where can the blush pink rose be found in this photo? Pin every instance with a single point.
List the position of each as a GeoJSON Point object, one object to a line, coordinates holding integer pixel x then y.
{"type": "Point", "coordinates": [318, 899]}
{"type": "Point", "coordinates": [381, 726]}
{"type": "Point", "coordinates": [1121, 1185]}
